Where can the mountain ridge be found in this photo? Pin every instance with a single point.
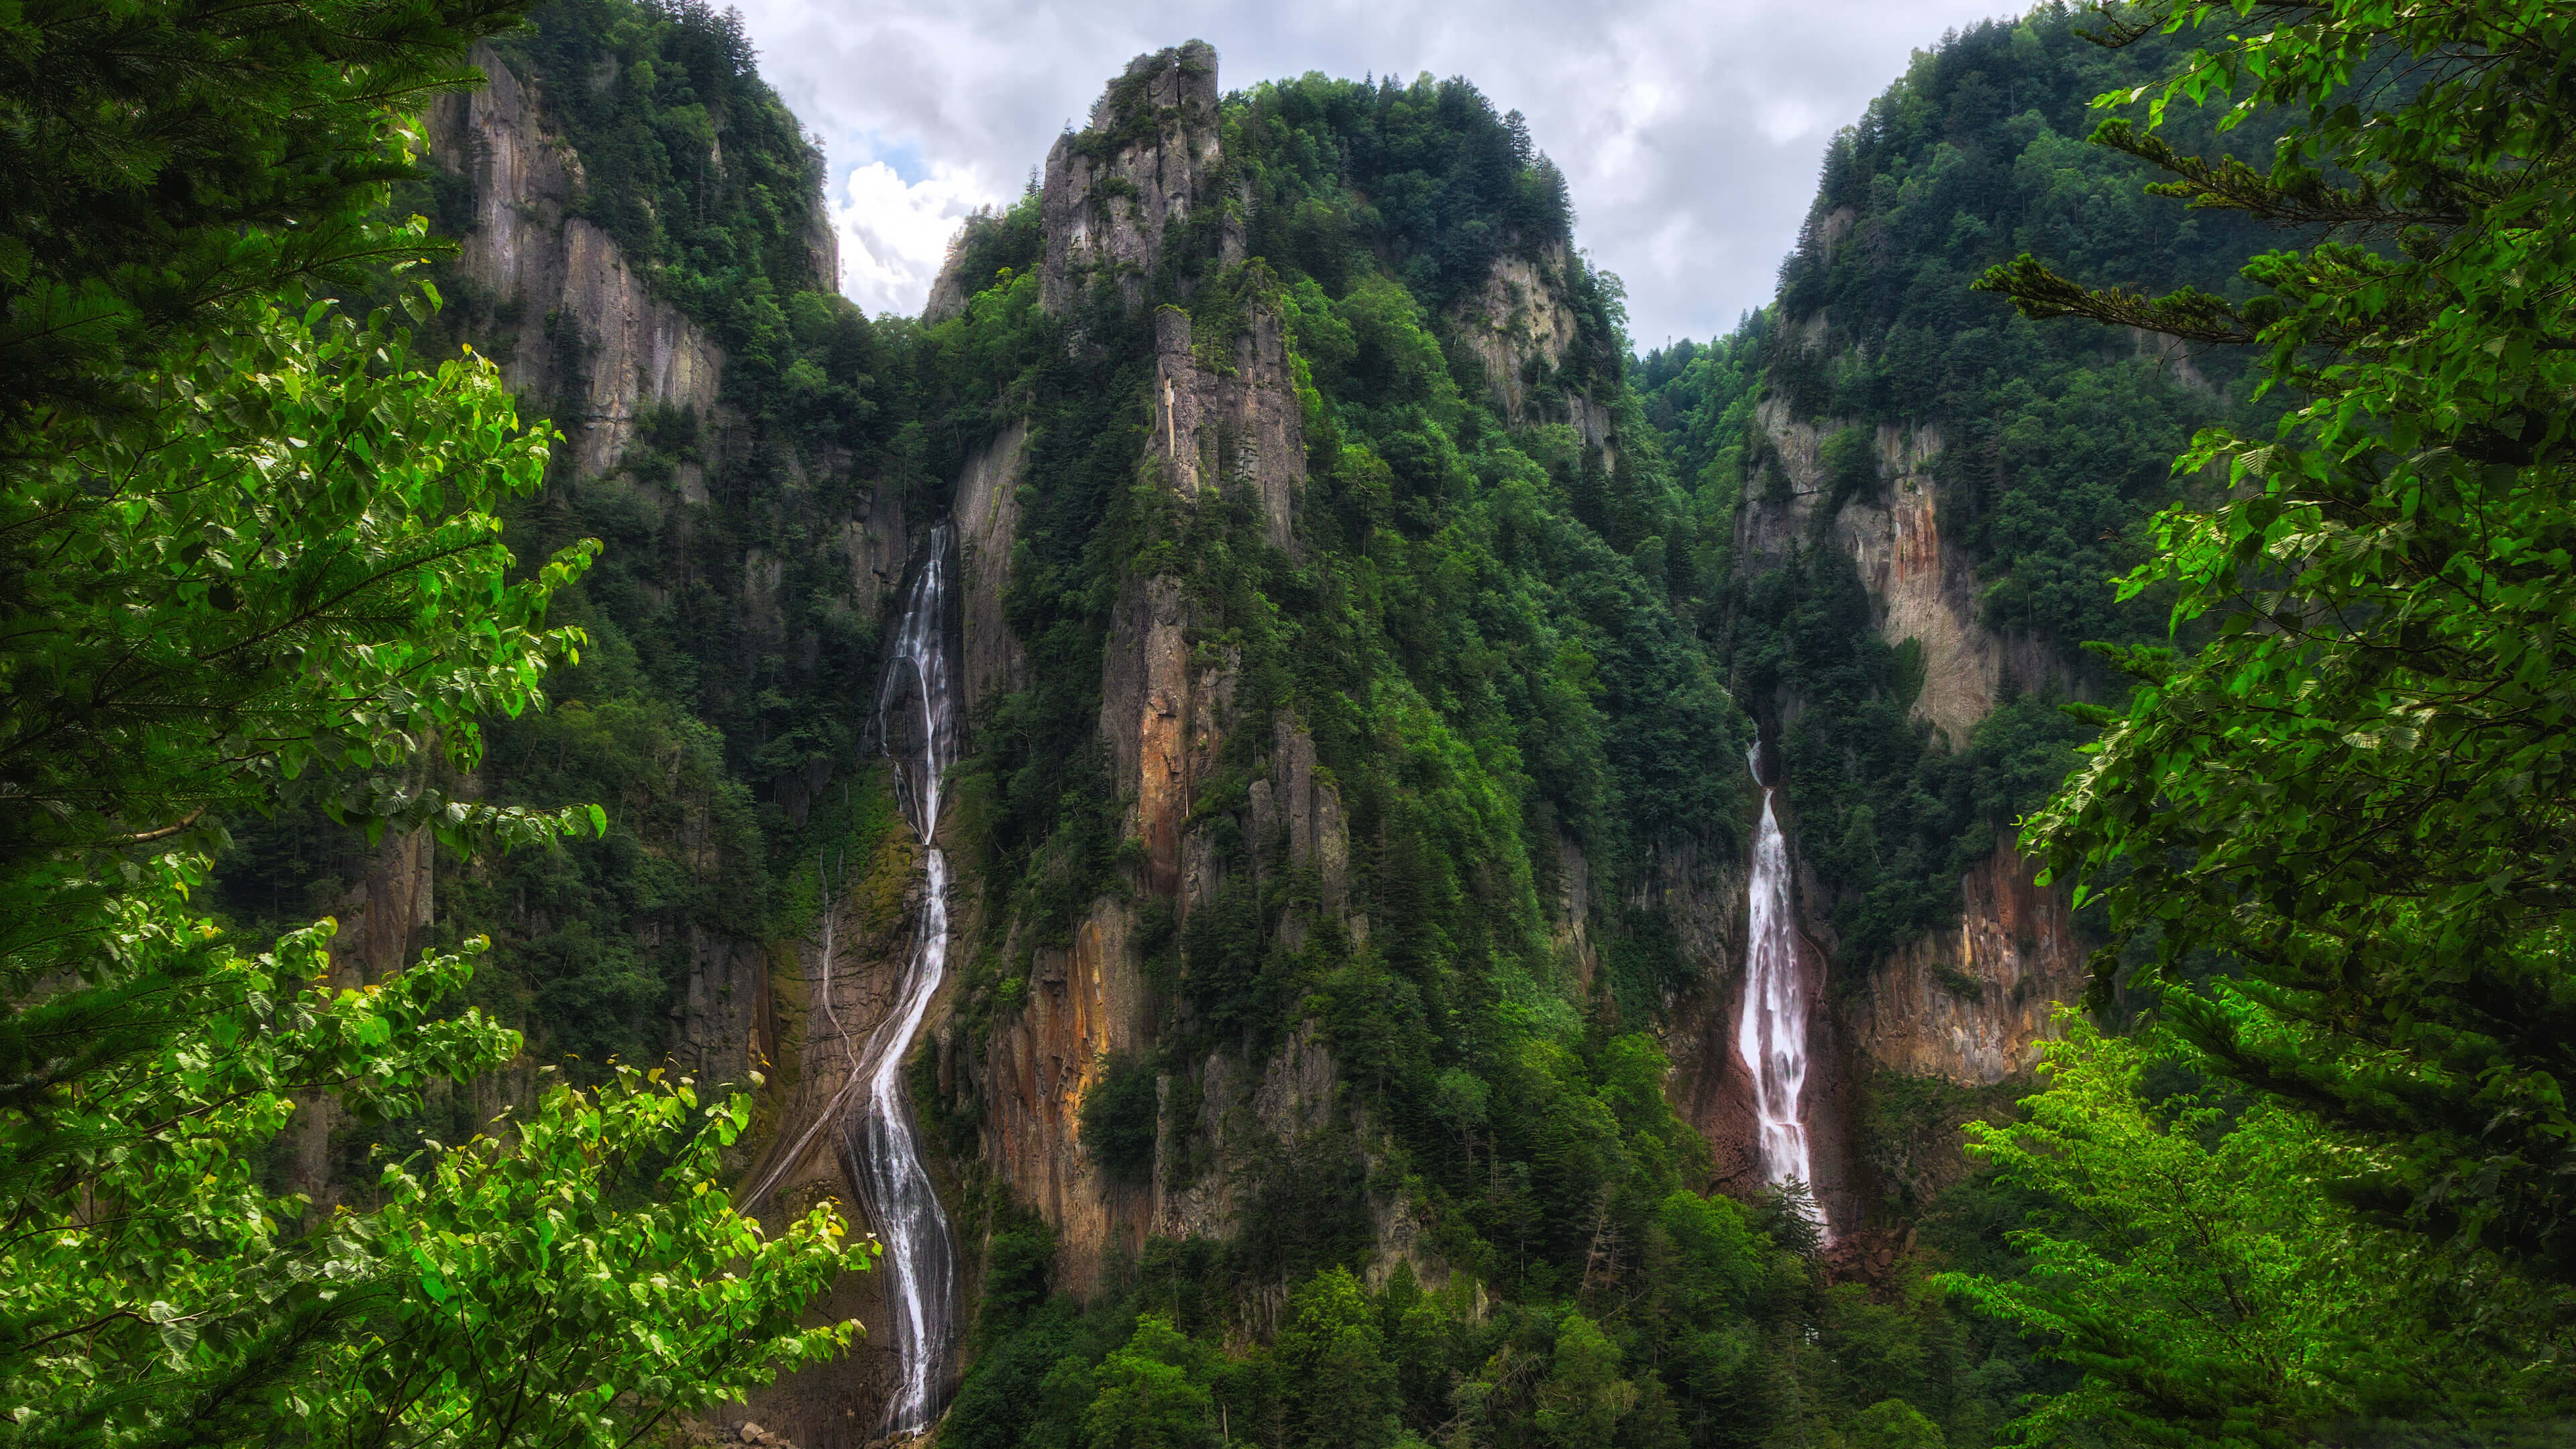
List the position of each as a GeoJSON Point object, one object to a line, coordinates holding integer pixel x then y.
{"type": "Point", "coordinates": [1350, 838]}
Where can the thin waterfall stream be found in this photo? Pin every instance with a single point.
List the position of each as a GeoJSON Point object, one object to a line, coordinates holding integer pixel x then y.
{"type": "Point", "coordinates": [883, 1148]}
{"type": "Point", "coordinates": [1771, 1034]}
{"type": "Point", "coordinates": [870, 1116]}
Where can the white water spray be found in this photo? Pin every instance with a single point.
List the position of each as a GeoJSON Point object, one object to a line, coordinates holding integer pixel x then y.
{"type": "Point", "coordinates": [1771, 1034]}
{"type": "Point", "coordinates": [917, 719]}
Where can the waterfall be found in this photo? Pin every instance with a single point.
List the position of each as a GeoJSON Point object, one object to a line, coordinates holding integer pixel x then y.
{"type": "Point", "coordinates": [1771, 1035]}
{"type": "Point", "coordinates": [917, 719]}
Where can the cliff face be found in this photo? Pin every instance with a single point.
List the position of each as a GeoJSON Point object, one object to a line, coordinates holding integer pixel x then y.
{"type": "Point", "coordinates": [1222, 421]}
{"type": "Point", "coordinates": [384, 917]}
{"type": "Point", "coordinates": [988, 524]}
{"type": "Point", "coordinates": [1969, 1004]}
{"type": "Point", "coordinates": [1233, 424]}
{"type": "Point", "coordinates": [578, 327]}
{"type": "Point", "coordinates": [1973, 1006]}
{"type": "Point", "coordinates": [832, 993]}
{"type": "Point", "coordinates": [586, 343]}
{"type": "Point", "coordinates": [1112, 190]}
{"type": "Point", "coordinates": [1711, 1086]}
{"type": "Point", "coordinates": [1519, 327]}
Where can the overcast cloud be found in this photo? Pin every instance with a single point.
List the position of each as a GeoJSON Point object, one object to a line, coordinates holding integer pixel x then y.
{"type": "Point", "coordinates": [1690, 132]}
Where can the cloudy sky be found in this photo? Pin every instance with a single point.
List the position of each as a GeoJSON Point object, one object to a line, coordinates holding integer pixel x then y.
{"type": "Point", "coordinates": [1689, 129]}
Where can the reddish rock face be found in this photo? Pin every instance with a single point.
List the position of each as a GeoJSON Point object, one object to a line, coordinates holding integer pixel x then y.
{"type": "Point", "coordinates": [1974, 1004]}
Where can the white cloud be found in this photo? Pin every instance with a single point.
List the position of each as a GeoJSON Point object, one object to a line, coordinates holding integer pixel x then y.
{"type": "Point", "coordinates": [894, 233]}
{"type": "Point", "coordinates": [1689, 130]}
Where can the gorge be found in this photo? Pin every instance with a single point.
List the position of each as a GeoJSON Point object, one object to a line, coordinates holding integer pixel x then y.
{"type": "Point", "coordinates": [1208, 774]}
{"type": "Point", "coordinates": [1254, 828]}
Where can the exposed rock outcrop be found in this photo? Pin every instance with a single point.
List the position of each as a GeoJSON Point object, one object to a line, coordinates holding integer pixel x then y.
{"type": "Point", "coordinates": [723, 1025]}
{"type": "Point", "coordinates": [1147, 709]}
{"type": "Point", "coordinates": [383, 921]}
{"type": "Point", "coordinates": [842, 983]}
{"type": "Point", "coordinates": [987, 511]}
{"type": "Point", "coordinates": [1235, 426]}
{"type": "Point", "coordinates": [1086, 1002]}
{"type": "Point", "coordinates": [1518, 325]}
{"type": "Point", "coordinates": [1297, 803]}
{"type": "Point", "coordinates": [1973, 1004]}
{"type": "Point", "coordinates": [1970, 1003]}
{"type": "Point", "coordinates": [1140, 164]}
{"type": "Point", "coordinates": [385, 915]}
{"type": "Point", "coordinates": [582, 330]}
{"type": "Point", "coordinates": [1711, 1086]}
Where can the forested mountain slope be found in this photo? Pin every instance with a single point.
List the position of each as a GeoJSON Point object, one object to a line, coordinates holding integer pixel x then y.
{"type": "Point", "coordinates": [1348, 885]}
{"type": "Point", "coordinates": [1929, 494]}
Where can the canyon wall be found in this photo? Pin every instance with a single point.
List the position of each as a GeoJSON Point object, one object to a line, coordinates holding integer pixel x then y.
{"type": "Point", "coordinates": [572, 323]}
{"type": "Point", "coordinates": [1230, 422]}
{"type": "Point", "coordinates": [584, 341]}
{"type": "Point", "coordinates": [1146, 175]}
{"type": "Point", "coordinates": [1970, 1004]}
{"type": "Point", "coordinates": [1113, 189]}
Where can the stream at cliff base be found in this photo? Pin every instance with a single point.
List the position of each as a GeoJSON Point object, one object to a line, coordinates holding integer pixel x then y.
{"type": "Point", "coordinates": [1771, 1033]}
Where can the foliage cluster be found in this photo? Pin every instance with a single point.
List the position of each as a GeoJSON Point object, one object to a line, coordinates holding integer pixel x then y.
{"type": "Point", "coordinates": [1719, 1336]}
{"type": "Point", "coordinates": [2181, 1256]}
{"type": "Point", "coordinates": [166, 169]}
{"type": "Point", "coordinates": [1490, 633]}
{"type": "Point", "coordinates": [250, 537]}
{"type": "Point", "coordinates": [2328, 839]}
{"type": "Point", "coordinates": [1423, 179]}
{"type": "Point", "coordinates": [716, 727]}
{"type": "Point", "coordinates": [1483, 636]}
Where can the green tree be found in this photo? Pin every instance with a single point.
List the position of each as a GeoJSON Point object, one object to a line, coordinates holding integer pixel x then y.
{"type": "Point", "coordinates": [1892, 1424]}
{"type": "Point", "coordinates": [1583, 1398]}
{"type": "Point", "coordinates": [2187, 1264]}
{"type": "Point", "coordinates": [166, 168]}
{"type": "Point", "coordinates": [2359, 790]}
{"type": "Point", "coordinates": [1340, 1390]}
{"type": "Point", "coordinates": [157, 1292]}
{"type": "Point", "coordinates": [1153, 1393]}
{"type": "Point", "coordinates": [244, 538]}
{"type": "Point", "coordinates": [293, 562]}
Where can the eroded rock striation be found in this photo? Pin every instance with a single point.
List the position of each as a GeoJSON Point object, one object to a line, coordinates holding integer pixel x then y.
{"type": "Point", "coordinates": [583, 331]}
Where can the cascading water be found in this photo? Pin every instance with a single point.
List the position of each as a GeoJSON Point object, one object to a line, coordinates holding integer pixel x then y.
{"type": "Point", "coordinates": [917, 719]}
{"type": "Point", "coordinates": [1772, 1032]}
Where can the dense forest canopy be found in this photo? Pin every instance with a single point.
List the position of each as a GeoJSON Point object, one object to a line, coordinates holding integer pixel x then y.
{"type": "Point", "coordinates": [288, 581]}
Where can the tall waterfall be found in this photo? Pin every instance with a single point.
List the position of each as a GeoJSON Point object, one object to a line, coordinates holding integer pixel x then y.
{"type": "Point", "coordinates": [917, 719]}
{"type": "Point", "coordinates": [1771, 1035]}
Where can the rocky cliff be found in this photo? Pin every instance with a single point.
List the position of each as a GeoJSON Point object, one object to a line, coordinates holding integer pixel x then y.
{"type": "Point", "coordinates": [748, 563]}
{"type": "Point", "coordinates": [1228, 811]}
{"type": "Point", "coordinates": [1973, 1007]}
{"type": "Point", "coordinates": [1116, 189]}
{"type": "Point", "coordinates": [571, 321]}
{"type": "Point", "coordinates": [1223, 419]}
{"type": "Point", "coordinates": [1968, 1003]}
{"type": "Point", "coordinates": [1347, 783]}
